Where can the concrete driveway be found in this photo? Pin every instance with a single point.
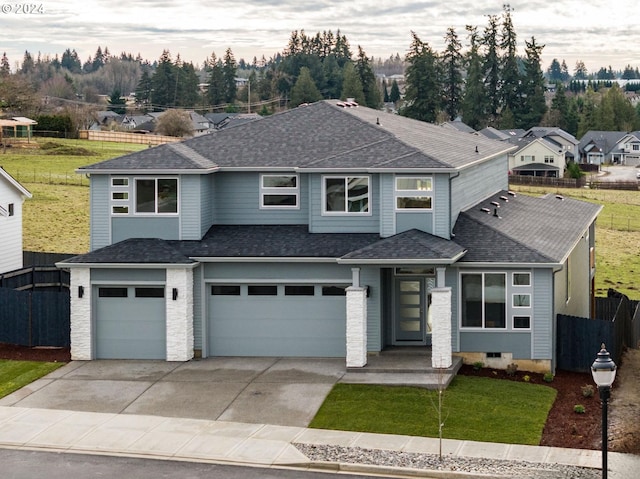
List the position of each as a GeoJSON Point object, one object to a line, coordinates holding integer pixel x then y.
{"type": "Point", "coordinates": [279, 391]}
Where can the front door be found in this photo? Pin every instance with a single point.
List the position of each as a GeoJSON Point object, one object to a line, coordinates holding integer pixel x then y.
{"type": "Point", "coordinates": [410, 325]}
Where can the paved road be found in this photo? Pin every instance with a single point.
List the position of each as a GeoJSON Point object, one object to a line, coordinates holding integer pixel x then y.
{"type": "Point", "coordinates": [31, 464]}
{"type": "Point", "coordinates": [618, 173]}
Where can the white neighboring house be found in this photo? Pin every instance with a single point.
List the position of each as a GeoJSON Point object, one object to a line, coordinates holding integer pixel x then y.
{"type": "Point", "coordinates": [537, 157]}
{"type": "Point", "coordinates": [12, 195]}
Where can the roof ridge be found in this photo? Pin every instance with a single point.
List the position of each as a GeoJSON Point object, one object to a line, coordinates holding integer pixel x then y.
{"type": "Point", "coordinates": [190, 154]}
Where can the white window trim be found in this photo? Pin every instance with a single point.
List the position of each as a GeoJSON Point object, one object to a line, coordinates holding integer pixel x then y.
{"type": "Point", "coordinates": [346, 213]}
{"type": "Point", "coordinates": [513, 276]}
{"type": "Point", "coordinates": [154, 213]}
{"type": "Point", "coordinates": [398, 193]}
{"type": "Point", "coordinates": [506, 305]}
{"type": "Point", "coordinates": [513, 302]}
{"type": "Point", "coordinates": [513, 324]}
{"type": "Point", "coordinates": [280, 190]}
{"type": "Point", "coordinates": [119, 203]}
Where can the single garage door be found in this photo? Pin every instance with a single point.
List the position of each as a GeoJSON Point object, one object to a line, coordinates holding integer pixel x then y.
{"type": "Point", "coordinates": [130, 322]}
{"type": "Point", "coordinates": [277, 320]}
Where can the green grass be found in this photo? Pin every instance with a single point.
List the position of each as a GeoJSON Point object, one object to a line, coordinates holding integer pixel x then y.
{"type": "Point", "coordinates": [16, 374]}
{"type": "Point", "coordinates": [475, 409]}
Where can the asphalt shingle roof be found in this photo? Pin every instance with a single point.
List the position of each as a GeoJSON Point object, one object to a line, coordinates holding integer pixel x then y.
{"type": "Point", "coordinates": [134, 251]}
{"type": "Point", "coordinates": [526, 229]}
{"type": "Point", "coordinates": [321, 135]}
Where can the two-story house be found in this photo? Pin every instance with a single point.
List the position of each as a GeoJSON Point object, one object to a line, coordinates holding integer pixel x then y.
{"type": "Point", "coordinates": [616, 147]}
{"type": "Point", "coordinates": [12, 195]}
{"type": "Point", "coordinates": [326, 231]}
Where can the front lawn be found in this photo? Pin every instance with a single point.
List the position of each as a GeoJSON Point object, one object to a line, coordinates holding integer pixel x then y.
{"type": "Point", "coordinates": [475, 409]}
{"type": "Point", "coordinates": [16, 374]}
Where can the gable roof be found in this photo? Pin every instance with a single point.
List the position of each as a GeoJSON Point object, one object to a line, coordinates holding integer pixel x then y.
{"type": "Point", "coordinates": [605, 141]}
{"type": "Point", "coordinates": [321, 136]}
{"type": "Point", "coordinates": [13, 182]}
{"type": "Point", "coordinates": [523, 229]}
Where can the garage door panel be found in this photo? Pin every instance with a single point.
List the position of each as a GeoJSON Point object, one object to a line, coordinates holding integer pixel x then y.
{"type": "Point", "coordinates": [129, 327]}
{"type": "Point", "coordinates": [311, 326]}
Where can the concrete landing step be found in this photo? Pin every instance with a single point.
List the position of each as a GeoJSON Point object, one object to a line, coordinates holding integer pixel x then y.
{"type": "Point", "coordinates": [423, 380]}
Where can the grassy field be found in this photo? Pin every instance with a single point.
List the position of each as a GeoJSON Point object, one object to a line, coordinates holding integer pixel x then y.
{"type": "Point", "coordinates": [16, 374]}
{"type": "Point", "coordinates": [57, 217]}
{"type": "Point", "coordinates": [476, 409]}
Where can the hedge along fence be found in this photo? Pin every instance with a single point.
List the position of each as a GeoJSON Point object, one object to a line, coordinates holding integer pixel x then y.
{"type": "Point", "coordinates": [125, 137]}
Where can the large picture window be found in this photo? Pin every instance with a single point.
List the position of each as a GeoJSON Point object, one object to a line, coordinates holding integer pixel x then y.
{"type": "Point", "coordinates": [279, 191]}
{"type": "Point", "coordinates": [156, 195]}
{"type": "Point", "coordinates": [484, 300]}
{"type": "Point", "coordinates": [346, 194]}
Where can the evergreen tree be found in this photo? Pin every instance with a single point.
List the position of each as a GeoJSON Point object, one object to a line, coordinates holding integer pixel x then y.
{"type": "Point", "coordinates": [229, 75]}
{"type": "Point", "coordinates": [559, 111]}
{"type": "Point", "coordinates": [368, 79]}
{"type": "Point", "coordinates": [423, 99]}
{"type": "Point", "coordinates": [385, 92]}
{"type": "Point", "coordinates": [98, 60]}
{"type": "Point", "coordinates": [474, 100]}
{"type": "Point", "coordinates": [70, 61]}
{"type": "Point", "coordinates": [117, 103]}
{"type": "Point", "coordinates": [510, 87]}
{"type": "Point", "coordinates": [216, 89]}
{"type": "Point", "coordinates": [143, 89]}
{"type": "Point", "coordinates": [394, 94]}
{"type": "Point", "coordinates": [587, 113]}
{"type": "Point", "coordinates": [5, 68]}
{"type": "Point", "coordinates": [491, 70]}
{"type": "Point", "coordinates": [564, 69]}
{"type": "Point", "coordinates": [534, 105]}
{"type": "Point", "coordinates": [351, 85]}
{"type": "Point", "coordinates": [452, 74]}
{"type": "Point", "coordinates": [28, 65]}
{"type": "Point", "coordinates": [580, 71]}
{"type": "Point", "coordinates": [163, 82]}
{"type": "Point", "coordinates": [615, 112]}
{"type": "Point", "coordinates": [554, 72]}
{"type": "Point", "coordinates": [304, 90]}
{"type": "Point", "coordinates": [188, 90]}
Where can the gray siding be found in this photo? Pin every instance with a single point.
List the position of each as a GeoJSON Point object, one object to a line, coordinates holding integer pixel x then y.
{"type": "Point", "coordinates": [516, 343]}
{"type": "Point", "coordinates": [236, 199]}
{"type": "Point", "coordinates": [578, 302]}
{"type": "Point", "coordinates": [387, 213]}
{"type": "Point", "coordinates": [343, 223]}
{"type": "Point", "coordinates": [441, 225]}
{"type": "Point", "coordinates": [100, 214]}
{"type": "Point", "coordinates": [145, 227]}
{"type": "Point", "coordinates": [128, 275]}
{"type": "Point", "coordinates": [206, 204]}
{"type": "Point", "coordinates": [275, 272]}
{"type": "Point", "coordinates": [543, 317]}
{"type": "Point", "coordinates": [477, 183]}
{"type": "Point", "coordinates": [370, 276]}
{"type": "Point", "coordinates": [190, 207]}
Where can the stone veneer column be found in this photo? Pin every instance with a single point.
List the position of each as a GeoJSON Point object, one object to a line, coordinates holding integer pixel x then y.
{"type": "Point", "coordinates": [179, 314]}
{"type": "Point", "coordinates": [441, 328]}
{"type": "Point", "coordinates": [81, 325]}
{"type": "Point", "coordinates": [356, 327]}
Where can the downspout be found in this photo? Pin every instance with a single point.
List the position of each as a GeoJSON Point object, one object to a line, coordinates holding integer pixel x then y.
{"type": "Point", "coordinates": [451, 178]}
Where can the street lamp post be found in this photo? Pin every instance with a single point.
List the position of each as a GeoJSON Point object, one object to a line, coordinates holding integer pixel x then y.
{"type": "Point", "coordinates": [603, 371]}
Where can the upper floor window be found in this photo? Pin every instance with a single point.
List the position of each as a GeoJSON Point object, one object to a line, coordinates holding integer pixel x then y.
{"type": "Point", "coordinates": [530, 158]}
{"type": "Point", "coordinates": [279, 191]}
{"type": "Point", "coordinates": [636, 147]}
{"type": "Point", "coordinates": [120, 196]}
{"type": "Point", "coordinates": [549, 159]}
{"type": "Point", "coordinates": [346, 194]}
{"type": "Point", "coordinates": [156, 195]}
{"type": "Point", "coordinates": [413, 193]}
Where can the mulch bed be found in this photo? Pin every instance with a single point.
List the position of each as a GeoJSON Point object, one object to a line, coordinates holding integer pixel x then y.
{"type": "Point", "coordinates": [25, 353]}
{"type": "Point", "coordinates": [564, 427]}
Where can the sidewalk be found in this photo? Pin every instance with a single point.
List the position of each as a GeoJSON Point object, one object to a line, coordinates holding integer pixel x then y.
{"type": "Point", "coordinates": [255, 444]}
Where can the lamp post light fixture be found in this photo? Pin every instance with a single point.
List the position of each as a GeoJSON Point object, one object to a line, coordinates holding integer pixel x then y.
{"type": "Point", "coordinates": [603, 371]}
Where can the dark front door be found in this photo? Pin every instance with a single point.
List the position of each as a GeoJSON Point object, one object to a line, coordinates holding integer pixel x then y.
{"type": "Point", "coordinates": [410, 325]}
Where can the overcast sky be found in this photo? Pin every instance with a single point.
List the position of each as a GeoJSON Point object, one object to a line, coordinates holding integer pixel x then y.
{"type": "Point", "coordinates": [596, 32]}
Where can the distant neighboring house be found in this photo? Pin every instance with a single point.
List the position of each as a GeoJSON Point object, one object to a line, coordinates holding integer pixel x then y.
{"type": "Point", "coordinates": [327, 231]}
{"type": "Point", "coordinates": [502, 135]}
{"type": "Point", "coordinates": [558, 137]}
{"type": "Point", "coordinates": [218, 121]}
{"type": "Point", "coordinates": [200, 123]}
{"type": "Point", "coordinates": [12, 195]}
{"type": "Point", "coordinates": [459, 125]}
{"type": "Point", "coordinates": [615, 147]}
{"type": "Point", "coordinates": [537, 157]}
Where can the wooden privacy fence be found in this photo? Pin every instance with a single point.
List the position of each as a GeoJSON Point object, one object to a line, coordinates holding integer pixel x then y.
{"type": "Point", "coordinates": [579, 339]}
{"type": "Point", "coordinates": [35, 305]}
{"type": "Point", "coordinates": [547, 181]}
{"type": "Point", "coordinates": [125, 137]}
{"type": "Point", "coordinates": [35, 318]}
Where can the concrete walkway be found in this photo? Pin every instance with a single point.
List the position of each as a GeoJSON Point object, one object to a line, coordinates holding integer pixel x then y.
{"type": "Point", "coordinates": [256, 444]}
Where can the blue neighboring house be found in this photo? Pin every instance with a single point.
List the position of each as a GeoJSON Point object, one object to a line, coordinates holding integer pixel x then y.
{"type": "Point", "coordinates": [327, 231]}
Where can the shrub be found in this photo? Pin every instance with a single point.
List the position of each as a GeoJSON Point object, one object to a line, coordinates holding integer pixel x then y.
{"type": "Point", "coordinates": [526, 378]}
{"type": "Point", "coordinates": [512, 369]}
{"type": "Point", "coordinates": [579, 409]}
{"type": "Point", "coordinates": [587, 390]}
{"type": "Point", "coordinates": [548, 377]}
{"type": "Point", "coordinates": [478, 365]}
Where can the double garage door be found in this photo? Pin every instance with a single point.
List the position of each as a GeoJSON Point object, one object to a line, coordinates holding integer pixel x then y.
{"type": "Point", "coordinates": [130, 322]}
{"type": "Point", "coordinates": [276, 320]}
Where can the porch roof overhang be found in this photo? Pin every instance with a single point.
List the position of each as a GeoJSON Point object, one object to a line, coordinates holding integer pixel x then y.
{"type": "Point", "coordinates": [410, 247]}
{"type": "Point", "coordinates": [536, 167]}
